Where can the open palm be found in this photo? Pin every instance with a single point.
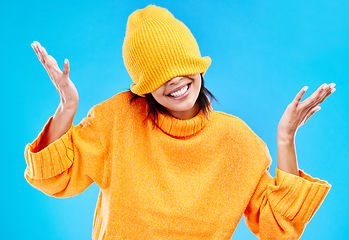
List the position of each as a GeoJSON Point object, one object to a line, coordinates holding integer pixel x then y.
{"type": "Point", "coordinates": [297, 112]}
{"type": "Point", "coordinates": [65, 87]}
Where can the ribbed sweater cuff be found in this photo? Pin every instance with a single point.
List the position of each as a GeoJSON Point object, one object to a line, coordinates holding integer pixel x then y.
{"type": "Point", "coordinates": [297, 196]}
{"type": "Point", "coordinates": [50, 161]}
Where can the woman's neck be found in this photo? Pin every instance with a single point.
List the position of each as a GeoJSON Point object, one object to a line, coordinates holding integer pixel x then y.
{"type": "Point", "coordinates": [185, 115]}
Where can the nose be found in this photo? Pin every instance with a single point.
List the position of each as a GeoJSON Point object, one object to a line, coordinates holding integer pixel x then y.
{"type": "Point", "coordinates": [174, 80]}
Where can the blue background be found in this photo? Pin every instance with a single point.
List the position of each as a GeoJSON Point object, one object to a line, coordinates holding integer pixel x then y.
{"type": "Point", "coordinates": [262, 54]}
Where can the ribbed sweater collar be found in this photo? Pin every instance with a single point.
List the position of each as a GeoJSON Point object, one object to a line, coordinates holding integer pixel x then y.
{"type": "Point", "coordinates": [182, 128]}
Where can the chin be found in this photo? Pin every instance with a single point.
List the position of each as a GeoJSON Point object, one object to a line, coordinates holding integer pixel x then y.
{"type": "Point", "coordinates": [183, 112]}
{"type": "Point", "coordinates": [183, 108]}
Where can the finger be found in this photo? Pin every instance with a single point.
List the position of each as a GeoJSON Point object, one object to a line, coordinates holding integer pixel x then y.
{"type": "Point", "coordinates": [327, 92]}
{"type": "Point", "coordinates": [311, 112]}
{"type": "Point", "coordinates": [39, 54]}
{"type": "Point", "coordinates": [310, 105]}
{"type": "Point", "coordinates": [44, 63]}
{"type": "Point", "coordinates": [300, 94]}
{"type": "Point", "coordinates": [332, 91]}
{"type": "Point", "coordinates": [44, 56]}
{"type": "Point", "coordinates": [331, 88]}
{"type": "Point", "coordinates": [43, 52]}
{"type": "Point", "coordinates": [53, 80]}
{"type": "Point", "coordinates": [66, 68]}
{"type": "Point", "coordinates": [320, 90]}
{"type": "Point", "coordinates": [52, 66]}
{"type": "Point", "coordinates": [49, 62]}
{"type": "Point", "coordinates": [51, 77]}
{"type": "Point", "coordinates": [314, 99]}
{"type": "Point", "coordinates": [35, 47]}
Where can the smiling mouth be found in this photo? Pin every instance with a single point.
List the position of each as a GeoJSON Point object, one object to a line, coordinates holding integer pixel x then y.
{"type": "Point", "coordinates": [179, 93]}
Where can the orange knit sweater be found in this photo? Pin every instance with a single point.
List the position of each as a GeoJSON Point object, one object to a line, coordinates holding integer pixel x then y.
{"type": "Point", "coordinates": [180, 179]}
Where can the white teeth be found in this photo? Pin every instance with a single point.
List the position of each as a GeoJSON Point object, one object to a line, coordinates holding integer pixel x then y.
{"type": "Point", "coordinates": [180, 92]}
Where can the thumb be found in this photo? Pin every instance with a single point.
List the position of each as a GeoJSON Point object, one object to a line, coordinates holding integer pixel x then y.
{"type": "Point", "coordinates": [66, 68]}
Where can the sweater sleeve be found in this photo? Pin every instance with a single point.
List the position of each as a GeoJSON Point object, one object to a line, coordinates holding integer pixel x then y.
{"type": "Point", "coordinates": [68, 165]}
{"type": "Point", "coordinates": [281, 207]}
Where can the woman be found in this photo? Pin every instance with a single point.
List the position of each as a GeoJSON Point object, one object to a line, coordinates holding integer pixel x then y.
{"type": "Point", "coordinates": [168, 165]}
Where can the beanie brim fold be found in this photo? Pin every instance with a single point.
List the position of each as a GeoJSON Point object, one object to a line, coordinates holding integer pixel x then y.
{"type": "Point", "coordinates": [191, 67]}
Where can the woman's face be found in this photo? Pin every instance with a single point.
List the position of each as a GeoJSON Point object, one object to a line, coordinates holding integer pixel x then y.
{"type": "Point", "coordinates": [179, 96]}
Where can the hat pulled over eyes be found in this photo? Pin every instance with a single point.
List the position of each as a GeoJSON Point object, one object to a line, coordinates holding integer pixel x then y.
{"type": "Point", "coordinates": [158, 47]}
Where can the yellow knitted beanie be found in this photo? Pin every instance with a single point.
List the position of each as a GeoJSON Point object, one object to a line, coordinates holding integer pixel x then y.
{"type": "Point", "coordinates": [158, 47]}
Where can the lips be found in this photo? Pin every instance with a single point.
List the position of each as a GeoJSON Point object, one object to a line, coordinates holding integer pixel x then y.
{"type": "Point", "coordinates": [178, 88]}
{"type": "Point", "coordinates": [182, 93]}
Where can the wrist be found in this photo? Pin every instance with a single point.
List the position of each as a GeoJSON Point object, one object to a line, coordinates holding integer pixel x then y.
{"type": "Point", "coordinates": [67, 107]}
{"type": "Point", "coordinates": [285, 138]}
{"type": "Point", "coordinates": [282, 143]}
{"type": "Point", "coordinates": [285, 134]}
{"type": "Point", "coordinates": [65, 113]}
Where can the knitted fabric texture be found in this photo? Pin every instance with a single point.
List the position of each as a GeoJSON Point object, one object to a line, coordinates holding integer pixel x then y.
{"type": "Point", "coordinates": [183, 179]}
{"type": "Point", "coordinates": [158, 47]}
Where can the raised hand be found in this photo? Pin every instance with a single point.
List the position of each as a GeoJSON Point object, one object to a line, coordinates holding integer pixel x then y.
{"type": "Point", "coordinates": [60, 79]}
{"type": "Point", "coordinates": [297, 112]}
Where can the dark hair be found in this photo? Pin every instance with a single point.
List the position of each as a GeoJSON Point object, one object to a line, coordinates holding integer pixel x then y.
{"type": "Point", "coordinates": [155, 107]}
